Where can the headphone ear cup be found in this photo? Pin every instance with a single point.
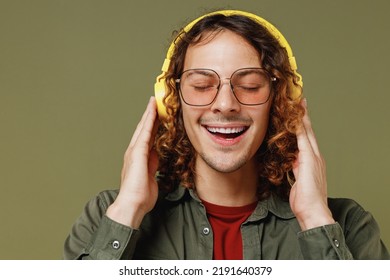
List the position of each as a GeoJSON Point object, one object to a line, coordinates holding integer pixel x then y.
{"type": "Point", "coordinates": [159, 93]}
{"type": "Point", "coordinates": [296, 89]}
{"type": "Point", "coordinates": [296, 92]}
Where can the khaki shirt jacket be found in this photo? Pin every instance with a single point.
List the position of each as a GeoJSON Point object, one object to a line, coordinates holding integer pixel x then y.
{"type": "Point", "coordinates": [178, 228]}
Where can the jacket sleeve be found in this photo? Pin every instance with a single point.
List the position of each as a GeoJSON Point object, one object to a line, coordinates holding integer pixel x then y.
{"type": "Point", "coordinates": [95, 236]}
{"type": "Point", "coordinates": [362, 234]}
{"type": "Point", "coordinates": [324, 243]}
{"type": "Point", "coordinates": [356, 235]}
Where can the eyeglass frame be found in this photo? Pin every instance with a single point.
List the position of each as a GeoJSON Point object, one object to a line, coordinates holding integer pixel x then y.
{"type": "Point", "coordinates": [220, 84]}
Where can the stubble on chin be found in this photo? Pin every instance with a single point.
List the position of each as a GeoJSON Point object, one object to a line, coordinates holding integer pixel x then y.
{"type": "Point", "coordinates": [223, 164]}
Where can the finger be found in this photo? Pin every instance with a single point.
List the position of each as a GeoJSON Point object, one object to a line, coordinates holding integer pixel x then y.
{"type": "Point", "coordinates": [295, 168]}
{"type": "Point", "coordinates": [304, 144]}
{"type": "Point", "coordinates": [146, 119]}
{"type": "Point", "coordinates": [149, 128]}
{"type": "Point", "coordinates": [153, 163]}
{"type": "Point", "coordinates": [309, 129]}
{"type": "Point", "coordinates": [154, 133]}
{"type": "Point", "coordinates": [141, 124]}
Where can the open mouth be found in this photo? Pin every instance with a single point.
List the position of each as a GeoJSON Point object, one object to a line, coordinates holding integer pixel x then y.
{"type": "Point", "coordinates": [227, 132]}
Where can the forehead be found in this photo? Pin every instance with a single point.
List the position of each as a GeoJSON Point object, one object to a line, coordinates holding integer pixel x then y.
{"type": "Point", "coordinates": [223, 51]}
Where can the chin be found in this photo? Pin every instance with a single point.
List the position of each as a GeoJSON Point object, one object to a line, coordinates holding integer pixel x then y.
{"type": "Point", "coordinates": [223, 164]}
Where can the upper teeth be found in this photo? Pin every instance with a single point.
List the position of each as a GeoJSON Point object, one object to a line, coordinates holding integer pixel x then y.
{"type": "Point", "coordinates": [227, 130]}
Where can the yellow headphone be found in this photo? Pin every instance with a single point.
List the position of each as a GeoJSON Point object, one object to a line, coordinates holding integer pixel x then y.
{"type": "Point", "coordinates": [160, 85]}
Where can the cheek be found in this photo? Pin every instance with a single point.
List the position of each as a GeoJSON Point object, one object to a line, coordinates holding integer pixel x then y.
{"type": "Point", "coordinates": [186, 119]}
{"type": "Point", "coordinates": [262, 123]}
{"type": "Point", "coordinates": [189, 121]}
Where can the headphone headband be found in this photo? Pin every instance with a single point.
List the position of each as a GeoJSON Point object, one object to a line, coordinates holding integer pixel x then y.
{"type": "Point", "coordinates": [160, 83]}
{"type": "Point", "coordinates": [272, 29]}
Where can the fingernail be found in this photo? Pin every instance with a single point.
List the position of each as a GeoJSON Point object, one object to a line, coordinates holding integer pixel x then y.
{"type": "Point", "coordinates": [151, 99]}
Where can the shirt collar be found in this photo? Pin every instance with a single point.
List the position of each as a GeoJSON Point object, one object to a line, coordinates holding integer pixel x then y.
{"type": "Point", "coordinates": [176, 194]}
{"type": "Point", "coordinates": [273, 204]}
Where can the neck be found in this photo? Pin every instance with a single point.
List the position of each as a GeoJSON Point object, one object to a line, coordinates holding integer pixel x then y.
{"type": "Point", "coordinates": [236, 188]}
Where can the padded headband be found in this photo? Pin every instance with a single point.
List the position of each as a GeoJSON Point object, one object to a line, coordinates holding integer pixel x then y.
{"type": "Point", "coordinates": [160, 85]}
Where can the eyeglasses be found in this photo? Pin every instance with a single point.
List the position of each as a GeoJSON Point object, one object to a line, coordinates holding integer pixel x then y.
{"type": "Point", "coordinates": [250, 86]}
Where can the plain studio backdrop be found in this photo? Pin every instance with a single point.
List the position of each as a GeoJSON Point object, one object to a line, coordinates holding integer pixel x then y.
{"type": "Point", "coordinates": [76, 75]}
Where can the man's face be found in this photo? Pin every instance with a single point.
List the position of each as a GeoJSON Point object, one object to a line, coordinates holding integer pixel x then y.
{"type": "Point", "coordinates": [225, 134]}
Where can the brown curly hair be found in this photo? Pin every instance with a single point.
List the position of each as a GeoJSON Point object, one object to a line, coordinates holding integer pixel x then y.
{"type": "Point", "coordinates": [278, 151]}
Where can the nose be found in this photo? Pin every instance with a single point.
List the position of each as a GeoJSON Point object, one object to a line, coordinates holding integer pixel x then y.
{"type": "Point", "coordinates": [225, 101]}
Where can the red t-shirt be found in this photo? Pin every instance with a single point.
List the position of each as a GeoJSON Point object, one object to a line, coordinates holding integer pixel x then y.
{"type": "Point", "coordinates": [226, 224]}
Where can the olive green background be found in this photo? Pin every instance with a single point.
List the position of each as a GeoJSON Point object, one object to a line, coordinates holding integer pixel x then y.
{"type": "Point", "coordinates": [75, 77]}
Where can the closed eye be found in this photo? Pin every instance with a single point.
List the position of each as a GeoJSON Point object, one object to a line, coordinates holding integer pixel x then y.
{"type": "Point", "coordinates": [201, 88]}
{"type": "Point", "coordinates": [248, 88]}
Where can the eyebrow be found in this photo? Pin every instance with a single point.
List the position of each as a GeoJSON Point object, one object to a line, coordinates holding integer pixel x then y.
{"type": "Point", "coordinates": [204, 72]}
{"type": "Point", "coordinates": [246, 71]}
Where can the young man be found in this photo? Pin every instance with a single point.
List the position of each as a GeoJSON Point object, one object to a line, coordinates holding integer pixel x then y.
{"type": "Point", "coordinates": [240, 174]}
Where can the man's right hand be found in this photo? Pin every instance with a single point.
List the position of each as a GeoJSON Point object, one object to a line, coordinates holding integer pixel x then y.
{"type": "Point", "coordinates": [138, 192]}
